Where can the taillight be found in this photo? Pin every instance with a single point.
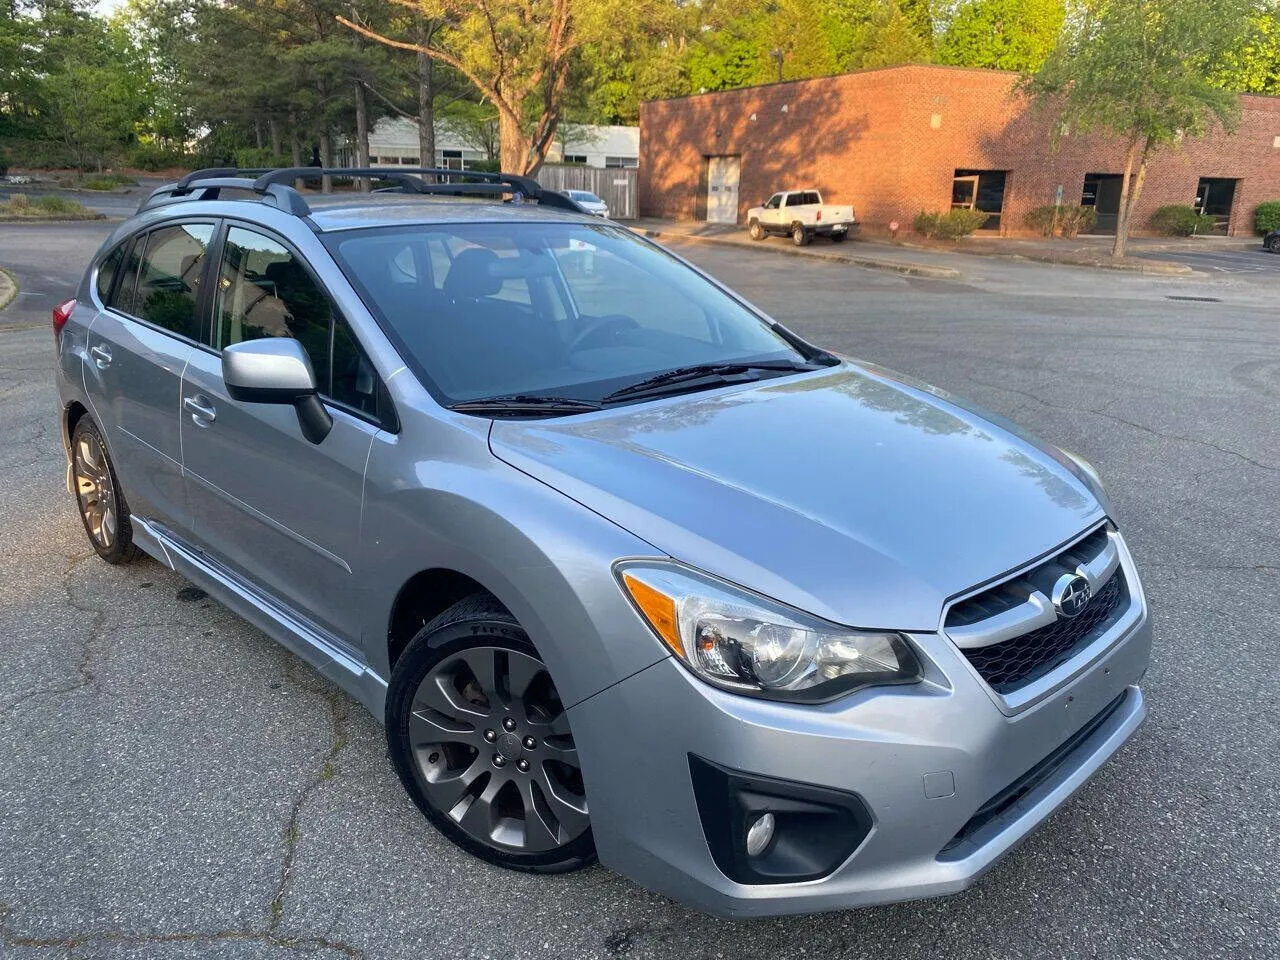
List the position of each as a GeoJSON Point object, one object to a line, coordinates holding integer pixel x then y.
{"type": "Point", "coordinates": [61, 314]}
{"type": "Point", "coordinates": [819, 214]}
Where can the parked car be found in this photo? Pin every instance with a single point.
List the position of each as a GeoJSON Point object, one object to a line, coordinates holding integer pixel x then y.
{"type": "Point", "coordinates": [625, 566]}
{"type": "Point", "coordinates": [803, 215]}
{"type": "Point", "coordinates": [589, 202]}
{"type": "Point", "coordinates": [1271, 241]}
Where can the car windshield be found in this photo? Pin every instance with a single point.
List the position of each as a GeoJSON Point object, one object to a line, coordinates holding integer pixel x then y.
{"type": "Point", "coordinates": [585, 196]}
{"type": "Point", "coordinates": [569, 310]}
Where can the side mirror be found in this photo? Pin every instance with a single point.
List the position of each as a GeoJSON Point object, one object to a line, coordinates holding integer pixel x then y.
{"type": "Point", "coordinates": [276, 370]}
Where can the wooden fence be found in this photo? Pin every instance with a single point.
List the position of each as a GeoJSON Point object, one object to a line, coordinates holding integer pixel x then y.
{"type": "Point", "coordinates": [615, 186]}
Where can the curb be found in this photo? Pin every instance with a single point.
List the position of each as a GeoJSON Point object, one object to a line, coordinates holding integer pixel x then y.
{"type": "Point", "coordinates": [1132, 265]}
{"type": "Point", "coordinates": [870, 263]}
{"type": "Point", "coordinates": [8, 288]}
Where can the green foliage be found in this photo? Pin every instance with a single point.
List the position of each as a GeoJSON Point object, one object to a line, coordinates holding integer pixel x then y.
{"type": "Point", "coordinates": [1253, 64]}
{"type": "Point", "coordinates": [1066, 220]}
{"type": "Point", "coordinates": [951, 225]}
{"type": "Point", "coordinates": [156, 156]}
{"type": "Point", "coordinates": [19, 206]}
{"type": "Point", "coordinates": [927, 224]}
{"type": "Point", "coordinates": [1266, 216]}
{"type": "Point", "coordinates": [248, 158]}
{"type": "Point", "coordinates": [1002, 34]}
{"type": "Point", "coordinates": [107, 181]}
{"type": "Point", "coordinates": [1181, 221]}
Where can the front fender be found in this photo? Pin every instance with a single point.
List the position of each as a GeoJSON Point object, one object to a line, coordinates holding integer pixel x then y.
{"type": "Point", "coordinates": [545, 557]}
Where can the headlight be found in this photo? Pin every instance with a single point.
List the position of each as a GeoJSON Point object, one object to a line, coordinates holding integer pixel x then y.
{"type": "Point", "coordinates": [749, 644]}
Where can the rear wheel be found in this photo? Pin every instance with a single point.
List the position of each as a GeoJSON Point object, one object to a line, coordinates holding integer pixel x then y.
{"type": "Point", "coordinates": [756, 230]}
{"type": "Point", "coordinates": [1273, 243]}
{"type": "Point", "coordinates": [482, 743]}
{"type": "Point", "coordinates": [102, 508]}
{"type": "Point", "coordinates": [799, 235]}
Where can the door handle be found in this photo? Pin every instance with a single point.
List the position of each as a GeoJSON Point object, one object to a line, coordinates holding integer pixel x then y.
{"type": "Point", "coordinates": [101, 356]}
{"type": "Point", "coordinates": [202, 411]}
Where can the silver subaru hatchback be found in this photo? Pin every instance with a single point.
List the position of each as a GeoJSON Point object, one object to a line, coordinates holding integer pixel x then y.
{"type": "Point", "coordinates": [627, 568]}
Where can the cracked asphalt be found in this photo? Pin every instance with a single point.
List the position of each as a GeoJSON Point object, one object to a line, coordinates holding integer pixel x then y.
{"type": "Point", "coordinates": [175, 785]}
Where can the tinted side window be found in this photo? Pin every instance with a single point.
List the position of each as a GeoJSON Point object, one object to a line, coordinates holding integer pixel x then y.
{"type": "Point", "coordinates": [107, 271]}
{"type": "Point", "coordinates": [125, 299]}
{"type": "Point", "coordinates": [169, 277]}
{"type": "Point", "coordinates": [264, 291]}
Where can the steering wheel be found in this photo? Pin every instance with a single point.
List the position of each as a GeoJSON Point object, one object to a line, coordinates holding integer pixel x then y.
{"type": "Point", "coordinates": [616, 322]}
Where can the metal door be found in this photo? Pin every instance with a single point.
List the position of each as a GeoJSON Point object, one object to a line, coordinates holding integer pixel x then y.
{"type": "Point", "coordinates": [722, 189]}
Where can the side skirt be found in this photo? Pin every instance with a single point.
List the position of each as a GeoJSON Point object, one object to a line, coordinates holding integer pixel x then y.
{"type": "Point", "coordinates": [330, 656]}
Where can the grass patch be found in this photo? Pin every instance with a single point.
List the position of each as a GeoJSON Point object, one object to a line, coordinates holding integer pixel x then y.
{"type": "Point", "coordinates": [19, 206]}
{"type": "Point", "coordinates": [108, 181]}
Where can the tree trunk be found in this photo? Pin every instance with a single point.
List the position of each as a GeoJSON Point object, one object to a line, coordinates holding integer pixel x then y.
{"type": "Point", "coordinates": [426, 107]}
{"type": "Point", "coordinates": [295, 148]}
{"type": "Point", "coordinates": [326, 159]}
{"type": "Point", "coordinates": [257, 132]}
{"type": "Point", "coordinates": [273, 126]}
{"type": "Point", "coordinates": [362, 133]}
{"type": "Point", "coordinates": [1122, 215]}
{"type": "Point", "coordinates": [513, 144]}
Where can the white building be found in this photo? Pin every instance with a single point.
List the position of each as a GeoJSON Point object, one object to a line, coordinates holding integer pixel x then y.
{"type": "Point", "coordinates": [393, 141]}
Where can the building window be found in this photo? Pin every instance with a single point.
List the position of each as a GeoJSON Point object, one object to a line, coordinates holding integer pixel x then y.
{"type": "Point", "coordinates": [577, 158]}
{"type": "Point", "coordinates": [621, 162]}
{"type": "Point", "coordinates": [1214, 196]}
{"type": "Point", "coordinates": [451, 160]}
{"type": "Point", "coordinates": [981, 190]}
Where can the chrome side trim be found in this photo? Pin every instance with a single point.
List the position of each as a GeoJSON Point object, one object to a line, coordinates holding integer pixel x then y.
{"type": "Point", "coordinates": [1101, 568]}
{"type": "Point", "coordinates": [331, 656]}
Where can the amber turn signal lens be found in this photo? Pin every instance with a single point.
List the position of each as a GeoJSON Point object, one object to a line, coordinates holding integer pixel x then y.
{"type": "Point", "coordinates": [658, 609]}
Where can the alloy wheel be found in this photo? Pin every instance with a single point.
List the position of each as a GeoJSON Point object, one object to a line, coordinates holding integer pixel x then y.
{"type": "Point", "coordinates": [493, 751]}
{"type": "Point", "coordinates": [95, 490]}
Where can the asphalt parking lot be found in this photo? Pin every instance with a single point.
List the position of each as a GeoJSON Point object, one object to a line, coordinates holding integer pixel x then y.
{"type": "Point", "coordinates": [175, 785]}
{"type": "Point", "coordinates": [1252, 259]}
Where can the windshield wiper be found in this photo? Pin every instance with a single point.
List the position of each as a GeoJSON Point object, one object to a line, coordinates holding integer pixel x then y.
{"type": "Point", "coordinates": [700, 371]}
{"type": "Point", "coordinates": [524, 405]}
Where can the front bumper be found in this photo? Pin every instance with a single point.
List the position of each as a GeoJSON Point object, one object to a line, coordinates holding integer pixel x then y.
{"type": "Point", "coordinates": [892, 747]}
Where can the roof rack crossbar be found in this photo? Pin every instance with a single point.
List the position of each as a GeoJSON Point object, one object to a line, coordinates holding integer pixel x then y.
{"type": "Point", "coordinates": [276, 184]}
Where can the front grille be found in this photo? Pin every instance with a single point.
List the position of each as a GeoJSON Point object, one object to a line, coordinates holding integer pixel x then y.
{"type": "Point", "coordinates": [1017, 662]}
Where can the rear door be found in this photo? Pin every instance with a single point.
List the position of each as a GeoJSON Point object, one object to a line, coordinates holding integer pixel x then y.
{"type": "Point", "coordinates": [278, 510]}
{"type": "Point", "coordinates": [139, 345]}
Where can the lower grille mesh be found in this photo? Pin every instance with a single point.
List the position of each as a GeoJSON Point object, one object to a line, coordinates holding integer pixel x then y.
{"type": "Point", "coordinates": [1009, 665]}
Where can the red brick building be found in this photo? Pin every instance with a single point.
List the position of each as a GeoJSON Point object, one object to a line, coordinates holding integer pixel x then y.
{"type": "Point", "coordinates": [899, 140]}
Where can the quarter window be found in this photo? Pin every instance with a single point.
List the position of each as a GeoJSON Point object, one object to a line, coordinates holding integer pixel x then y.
{"type": "Point", "coordinates": [169, 277]}
{"type": "Point", "coordinates": [107, 271]}
{"type": "Point", "coordinates": [264, 291]}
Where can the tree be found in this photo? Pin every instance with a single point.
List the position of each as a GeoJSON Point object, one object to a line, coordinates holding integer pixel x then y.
{"type": "Point", "coordinates": [1141, 70]}
{"type": "Point", "coordinates": [517, 55]}
{"type": "Point", "coordinates": [1002, 34]}
{"type": "Point", "coordinates": [1254, 65]}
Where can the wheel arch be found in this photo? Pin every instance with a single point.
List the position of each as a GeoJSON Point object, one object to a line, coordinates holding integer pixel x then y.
{"type": "Point", "coordinates": [423, 597]}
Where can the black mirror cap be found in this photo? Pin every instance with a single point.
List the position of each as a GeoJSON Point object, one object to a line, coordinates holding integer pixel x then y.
{"type": "Point", "coordinates": [817, 828]}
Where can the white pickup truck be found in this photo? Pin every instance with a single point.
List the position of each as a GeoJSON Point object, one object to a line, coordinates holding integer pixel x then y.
{"type": "Point", "coordinates": [802, 214]}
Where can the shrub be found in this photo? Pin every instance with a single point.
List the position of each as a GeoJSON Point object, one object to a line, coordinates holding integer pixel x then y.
{"type": "Point", "coordinates": [108, 181]}
{"type": "Point", "coordinates": [252, 158]}
{"type": "Point", "coordinates": [152, 156]}
{"type": "Point", "coordinates": [19, 202]}
{"type": "Point", "coordinates": [955, 224]}
{"type": "Point", "coordinates": [927, 224]}
{"type": "Point", "coordinates": [1065, 220]}
{"type": "Point", "coordinates": [1179, 221]}
{"type": "Point", "coordinates": [1266, 217]}
{"type": "Point", "coordinates": [52, 203]}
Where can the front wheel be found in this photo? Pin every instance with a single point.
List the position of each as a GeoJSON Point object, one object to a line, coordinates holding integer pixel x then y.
{"type": "Point", "coordinates": [481, 741]}
{"type": "Point", "coordinates": [756, 230]}
{"type": "Point", "coordinates": [1273, 244]}
{"type": "Point", "coordinates": [799, 235]}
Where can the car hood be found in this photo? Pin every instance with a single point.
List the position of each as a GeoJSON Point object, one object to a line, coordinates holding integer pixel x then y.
{"type": "Point", "coordinates": [851, 493]}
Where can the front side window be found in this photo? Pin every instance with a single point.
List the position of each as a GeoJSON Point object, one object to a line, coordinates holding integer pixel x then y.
{"type": "Point", "coordinates": [161, 280]}
{"type": "Point", "coordinates": [773, 202]}
{"type": "Point", "coordinates": [568, 309]}
{"type": "Point", "coordinates": [264, 291]}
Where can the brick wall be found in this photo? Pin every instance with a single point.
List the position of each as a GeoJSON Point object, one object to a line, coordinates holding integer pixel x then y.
{"type": "Point", "coordinates": [889, 141]}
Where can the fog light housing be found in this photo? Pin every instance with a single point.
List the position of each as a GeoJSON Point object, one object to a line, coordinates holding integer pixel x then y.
{"type": "Point", "coordinates": [759, 834]}
{"type": "Point", "coordinates": [765, 830]}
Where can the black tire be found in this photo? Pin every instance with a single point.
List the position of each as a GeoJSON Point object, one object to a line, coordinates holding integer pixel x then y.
{"type": "Point", "coordinates": [839, 236]}
{"type": "Point", "coordinates": [102, 506]}
{"type": "Point", "coordinates": [1273, 244]}
{"type": "Point", "coordinates": [756, 231]}
{"type": "Point", "coordinates": [447, 756]}
{"type": "Point", "coordinates": [799, 235]}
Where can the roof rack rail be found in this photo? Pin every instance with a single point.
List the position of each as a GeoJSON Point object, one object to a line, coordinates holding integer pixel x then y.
{"type": "Point", "coordinates": [276, 184]}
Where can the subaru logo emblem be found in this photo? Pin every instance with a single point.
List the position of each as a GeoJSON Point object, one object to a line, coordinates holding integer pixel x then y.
{"type": "Point", "coordinates": [1071, 595]}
